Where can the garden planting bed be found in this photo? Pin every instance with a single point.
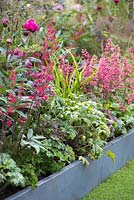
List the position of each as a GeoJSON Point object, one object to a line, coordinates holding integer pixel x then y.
{"type": "Point", "coordinates": [66, 90]}
{"type": "Point", "coordinates": [76, 180]}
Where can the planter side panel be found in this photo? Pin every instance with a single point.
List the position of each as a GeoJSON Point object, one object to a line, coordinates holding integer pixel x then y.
{"type": "Point", "coordinates": [76, 180]}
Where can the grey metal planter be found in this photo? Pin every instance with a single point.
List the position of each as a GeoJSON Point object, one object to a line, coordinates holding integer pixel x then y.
{"type": "Point", "coordinates": [76, 180]}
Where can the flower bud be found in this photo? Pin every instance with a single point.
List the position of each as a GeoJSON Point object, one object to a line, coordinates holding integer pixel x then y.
{"type": "Point", "coordinates": [9, 41]}
{"type": "Point", "coordinates": [99, 8]}
{"type": "Point", "coordinates": [28, 5]}
{"type": "Point", "coordinates": [116, 1]}
{"type": "Point", "coordinates": [83, 137]}
{"type": "Point", "coordinates": [5, 22]}
{"type": "Point", "coordinates": [26, 33]}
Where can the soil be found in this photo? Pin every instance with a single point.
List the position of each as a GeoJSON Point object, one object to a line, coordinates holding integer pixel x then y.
{"type": "Point", "coordinates": [9, 191]}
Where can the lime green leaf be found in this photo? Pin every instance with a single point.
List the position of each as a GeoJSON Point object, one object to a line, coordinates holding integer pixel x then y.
{"type": "Point", "coordinates": [84, 160]}
{"type": "Point", "coordinates": [111, 155]}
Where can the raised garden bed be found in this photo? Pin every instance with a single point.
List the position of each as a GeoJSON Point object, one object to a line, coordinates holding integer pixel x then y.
{"type": "Point", "coordinates": [65, 89]}
{"type": "Point", "coordinates": [76, 180]}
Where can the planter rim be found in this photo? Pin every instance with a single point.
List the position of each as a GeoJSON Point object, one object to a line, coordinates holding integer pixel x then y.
{"type": "Point", "coordinates": [112, 142]}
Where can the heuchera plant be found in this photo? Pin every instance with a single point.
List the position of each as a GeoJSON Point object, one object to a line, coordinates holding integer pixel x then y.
{"type": "Point", "coordinates": [114, 77]}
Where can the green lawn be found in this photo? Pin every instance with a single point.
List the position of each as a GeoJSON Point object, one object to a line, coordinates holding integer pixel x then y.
{"type": "Point", "coordinates": [120, 186]}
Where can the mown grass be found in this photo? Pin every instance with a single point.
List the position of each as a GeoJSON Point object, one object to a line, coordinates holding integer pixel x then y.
{"type": "Point", "coordinates": [120, 186]}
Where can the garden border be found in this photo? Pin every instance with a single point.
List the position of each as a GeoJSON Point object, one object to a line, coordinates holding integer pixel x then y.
{"type": "Point", "coordinates": [76, 180]}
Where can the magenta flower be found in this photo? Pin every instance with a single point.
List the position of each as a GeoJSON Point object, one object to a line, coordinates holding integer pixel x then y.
{"type": "Point", "coordinates": [5, 22]}
{"type": "Point", "coordinates": [116, 1]}
{"type": "Point", "coordinates": [31, 26]}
